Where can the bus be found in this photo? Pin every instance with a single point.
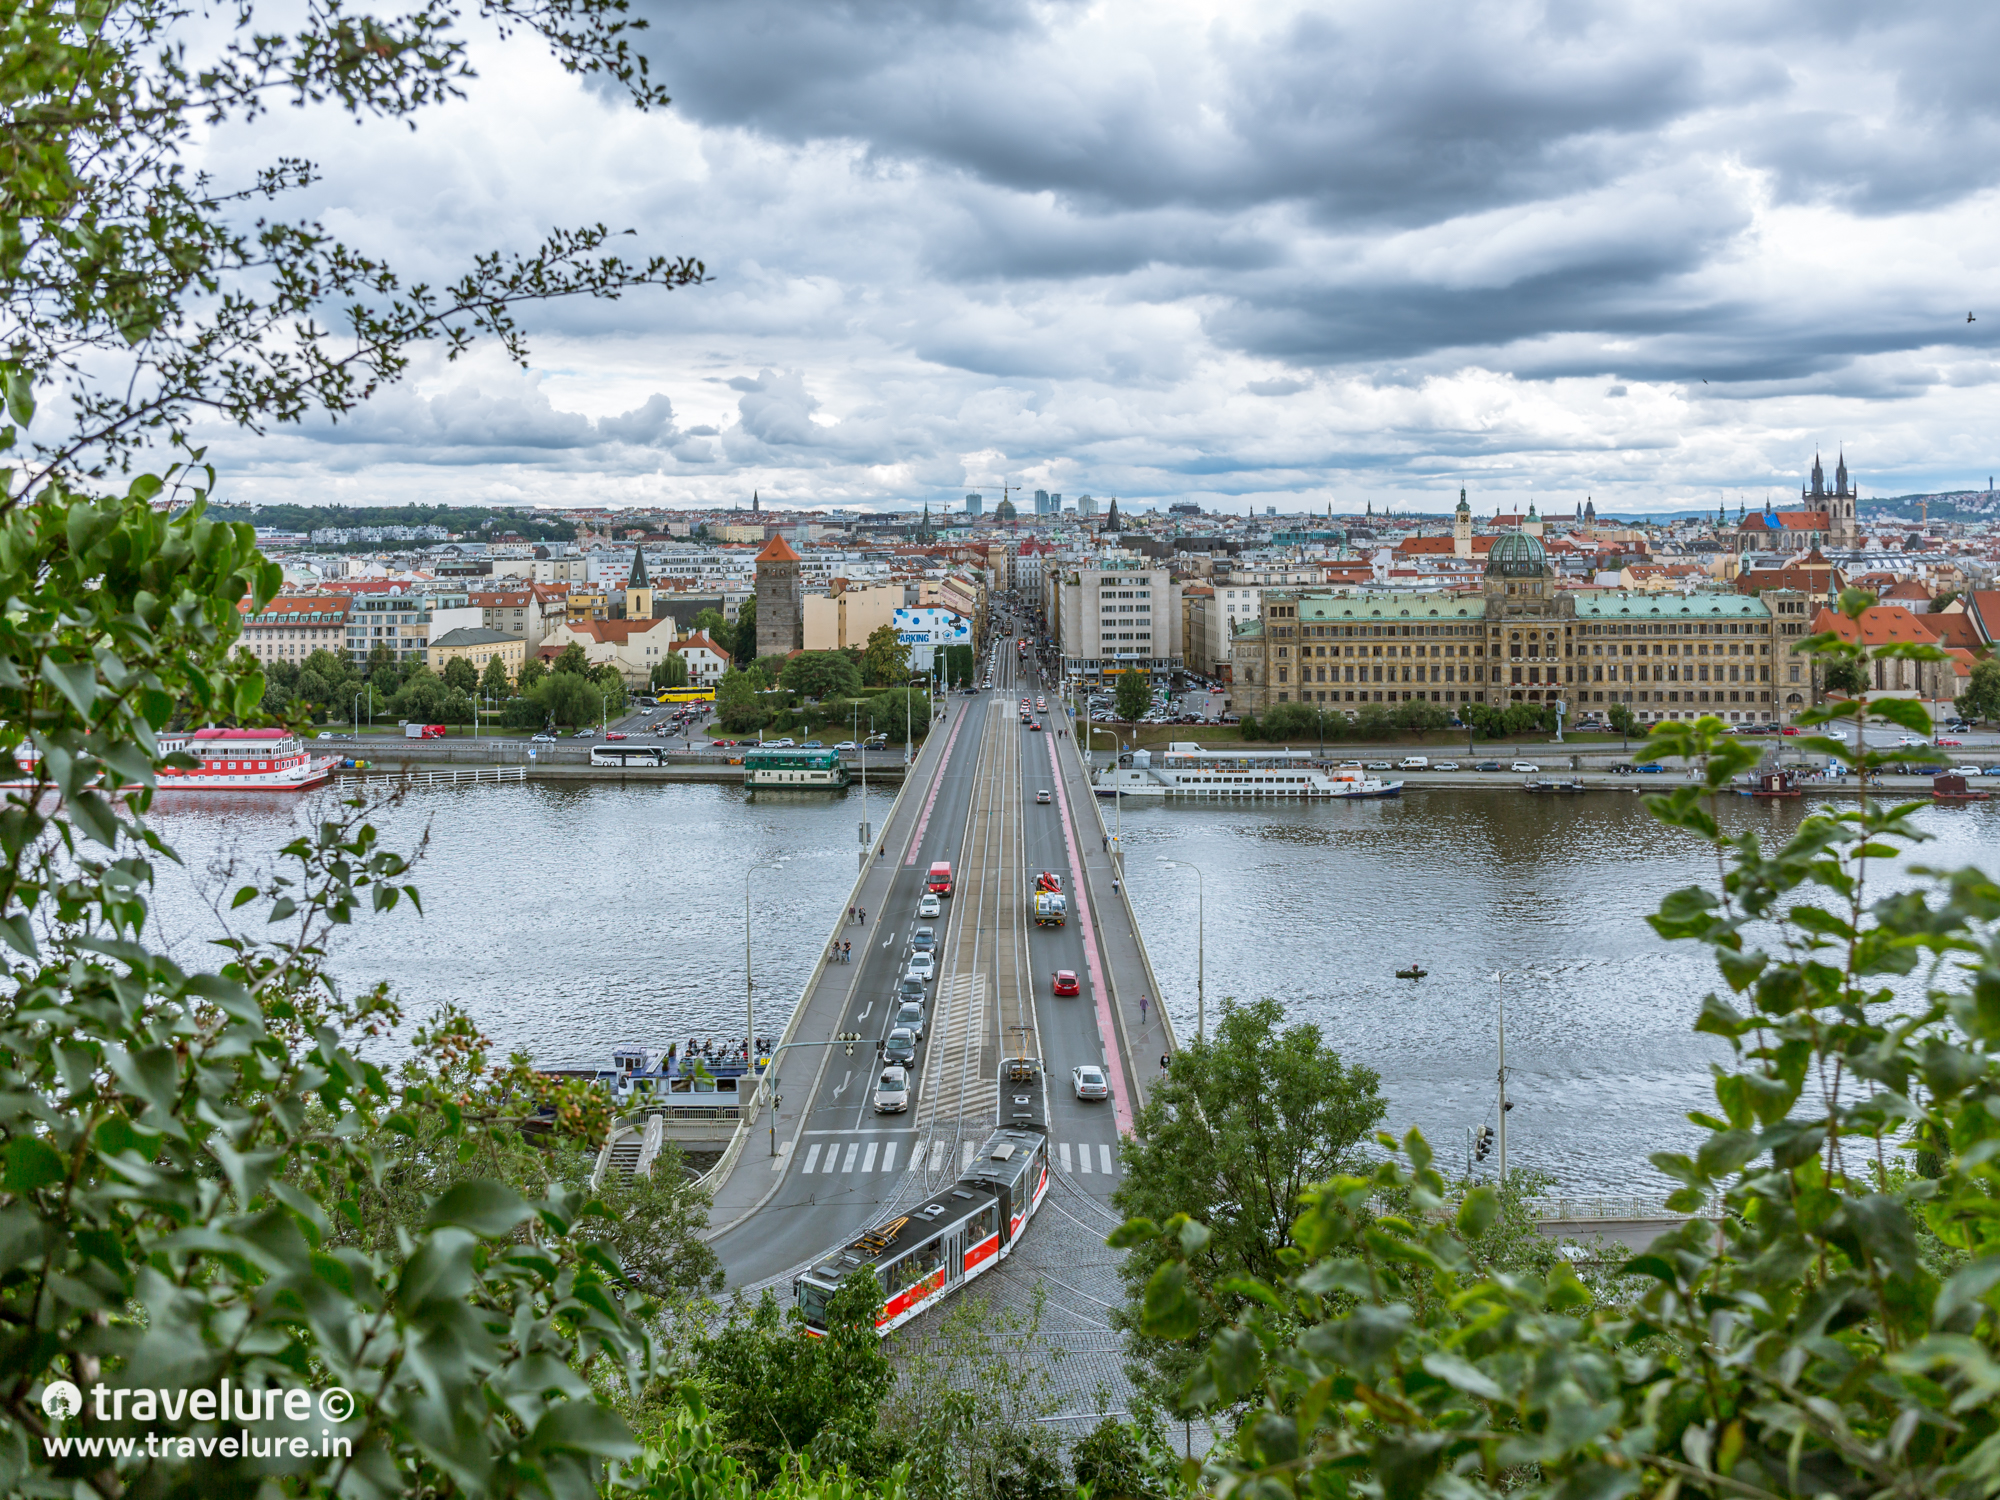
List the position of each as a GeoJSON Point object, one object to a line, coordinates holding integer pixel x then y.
{"type": "Point", "coordinates": [628, 755]}
{"type": "Point", "coordinates": [797, 769]}
{"type": "Point", "coordinates": [686, 695]}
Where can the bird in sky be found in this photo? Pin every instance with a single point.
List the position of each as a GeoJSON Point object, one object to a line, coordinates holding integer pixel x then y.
{"type": "Point", "coordinates": [1704, 380]}
{"type": "Point", "coordinates": [1970, 319]}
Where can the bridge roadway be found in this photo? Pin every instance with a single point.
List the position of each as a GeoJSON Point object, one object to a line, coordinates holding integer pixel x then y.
{"type": "Point", "coordinates": [840, 1167]}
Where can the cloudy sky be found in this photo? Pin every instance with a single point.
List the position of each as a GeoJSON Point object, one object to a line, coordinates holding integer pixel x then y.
{"type": "Point", "coordinates": [1249, 254]}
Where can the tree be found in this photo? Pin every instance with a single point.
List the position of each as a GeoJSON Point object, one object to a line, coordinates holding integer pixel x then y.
{"type": "Point", "coordinates": [885, 660]}
{"type": "Point", "coordinates": [1135, 694]}
{"type": "Point", "coordinates": [1622, 719]}
{"type": "Point", "coordinates": [822, 675]}
{"type": "Point", "coordinates": [1422, 718]}
{"type": "Point", "coordinates": [315, 692]}
{"type": "Point", "coordinates": [890, 711]}
{"type": "Point", "coordinates": [778, 1392]}
{"type": "Point", "coordinates": [1847, 679]}
{"type": "Point", "coordinates": [493, 681]}
{"type": "Point", "coordinates": [1249, 728]}
{"type": "Point", "coordinates": [672, 672]}
{"type": "Point", "coordinates": [1244, 1122]}
{"type": "Point", "coordinates": [1981, 698]}
{"type": "Point", "coordinates": [461, 674]}
{"type": "Point", "coordinates": [381, 662]}
{"type": "Point", "coordinates": [711, 624]}
{"type": "Point", "coordinates": [1125, 1461]}
{"type": "Point", "coordinates": [743, 635]}
{"type": "Point", "coordinates": [1823, 1325]}
{"type": "Point", "coordinates": [533, 670]}
{"type": "Point", "coordinates": [456, 708]}
{"type": "Point", "coordinates": [572, 659]}
{"type": "Point", "coordinates": [570, 700]}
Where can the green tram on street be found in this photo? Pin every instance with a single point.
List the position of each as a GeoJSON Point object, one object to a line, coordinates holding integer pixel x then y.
{"type": "Point", "coordinates": [793, 770]}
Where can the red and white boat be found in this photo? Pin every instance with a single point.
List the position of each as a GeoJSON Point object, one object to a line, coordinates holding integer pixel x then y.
{"type": "Point", "coordinates": [243, 760]}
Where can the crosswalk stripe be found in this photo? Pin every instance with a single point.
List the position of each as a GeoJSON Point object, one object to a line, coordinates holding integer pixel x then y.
{"type": "Point", "coordinates": [1104, 1155]}
{"type": "Point", "coordinates": [812, 1156]}
{"type": "Point", "coordinates": [852, 1151]}
{"type": "Point", "coordinates": [966, 1165]}
{"type": "Point", "coordinates": [868, 1158]}
{"type": "Point", "coordinates": [889, 1157]}
{"type": "Point", "coordinates": [1064, 1148]}
{"type": "Point", "coordinates": [938, 1149]}
{"type": "Point", "coordinates": [1083, 1157]}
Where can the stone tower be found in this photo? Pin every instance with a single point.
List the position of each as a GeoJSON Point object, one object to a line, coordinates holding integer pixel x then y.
{"type": "Point", "coordinates": [639, 589]}
{"type": "Point", "coordinates": [1461, 528]}
{"type": "Point", "coordinates": [780, 600]}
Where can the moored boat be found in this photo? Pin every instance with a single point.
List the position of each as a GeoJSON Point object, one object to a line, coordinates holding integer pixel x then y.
{"type": "Point", "coordinates": [1952, 787]}
{"type": "Point", "coordinates": [1189, 770]}
{"type": "Point", "coordinates": [242, 760]}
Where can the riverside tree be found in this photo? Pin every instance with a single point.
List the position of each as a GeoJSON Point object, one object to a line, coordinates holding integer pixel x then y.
{"type": "Point", "coordinates": [180, 1144]}
{"type": "Point", "coordinates": [1834, 1331]}
{"type": "Point", "coordinates": [1135, 694]}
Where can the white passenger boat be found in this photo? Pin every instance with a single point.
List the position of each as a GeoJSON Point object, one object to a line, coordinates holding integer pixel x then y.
{"type": "Point", "coordinates": [242, 760]}
{"type": "Point", "coordinates": [1190, 770]}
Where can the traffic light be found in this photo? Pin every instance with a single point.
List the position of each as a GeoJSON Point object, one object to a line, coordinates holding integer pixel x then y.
{"type": "Point", "coordinates": [1482, 1143]}
{"type": "Point", "coordinates": [848, 1039]}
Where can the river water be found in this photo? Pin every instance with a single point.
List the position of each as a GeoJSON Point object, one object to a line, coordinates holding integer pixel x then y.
{"type": "Point", "coordinates": [571, 918]}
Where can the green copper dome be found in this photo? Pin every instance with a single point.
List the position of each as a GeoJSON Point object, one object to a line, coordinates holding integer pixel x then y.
{"type": "Point", "coordinates": [1516, 555]}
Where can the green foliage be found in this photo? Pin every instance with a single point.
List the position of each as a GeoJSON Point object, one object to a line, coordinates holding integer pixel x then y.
{"type": "Point", "coordinates": [889, 711]}
{"type": "Point", "coordinates": [1250, 728]}
{"type": "Point", "coordinates": [777, 1392]}
{"type": "Point", "coordinates": [482, 520]}
{"type": "Point", "coordinates": [960, 663]}
{"type": "Point", "coordinates": [711, 624]}
{"type": "Point", "coordinates": [1981, 698]}
{"type": "Point", "coordinates": [821, 674]}
{"type": "Point", "coordinates": [571, 659]}
{"type": "Point", "coordinates": [1811, 1347]}
{"type": "Point", "coordinates": [738, 708]}
{"type": "Point", "coordinates": [493, 681]}
{"type": "Point", "coordinates": [533, 670]}
{"type": "Point", "coordinates": [461, 674]}
{"type": "Point", "coordinates": [743, 635]}
{"type": "Point", "coordinates": [1420, 717]}
{"type": "Point", "coordinates": [1135, 694]}
{"type": "Point", "coordinates": [1622, 719]}
{"type": "Point", "coordinates": [670, 673]}
{"type": "Point", "coordinates": [885, 660]}
{"type": "Point", "coordinates": [1847, 678]}
{"type": "Point", "coordinates": [570, 699]}
{"type": "Point", "coordinates": [1126, 1461]}
{"type": "Point", "coordinates": [1241, 1125]}
{"type": "Point", "coordinates": [421, 698]}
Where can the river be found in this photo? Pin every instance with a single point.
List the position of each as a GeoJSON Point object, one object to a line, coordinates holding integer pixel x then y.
{"type": "Point", "coordinates": [570, 918]}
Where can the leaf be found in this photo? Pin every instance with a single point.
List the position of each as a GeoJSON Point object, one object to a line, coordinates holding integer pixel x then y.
{"type": "Point", "coordinates": [486, 1207]}
{"type": "Point", "coordinates": [32, 1163]}
{"type": "Point", "coordinates": [1966, 1287]}
{"type": "Point", "coordinates": [583, 1427]}
{"type": "Point", "coordinates": [1132, 1232]}
{"type": "Point", "coordinates": [1463, 1375]}
{"type": "Point", "coordinates": [1477, 1213]}
{"type": "Point", "coordinates": [1170, 1310]}
{"type": "Point", "coordinates": [1907, 712]}
{"type": "Point", "coordinates": [76, 681]}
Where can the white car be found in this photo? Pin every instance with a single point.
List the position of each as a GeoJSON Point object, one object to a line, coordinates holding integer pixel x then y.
{"type": "Point", "coordinates": [847, 745]}
{"type": "Point", "coordinates": [930, 906]}
{"type": "Point", "coordinates": [1910, 741]}
{"type": "Point", "coordinates": [1041, 798]}
{"type": "Point", "coordinates": [778, 744]}
{"type": "Point", "coordinates": [1526, 765]}
{"type": "Point", "coordinates": [1088, 1081]}
{"type": "Point", "coordinates": [922, 966]}
{"type": "Point", "coordinates": [543, 739]}
{"type": "Point", "coordinates": [892, 1091]}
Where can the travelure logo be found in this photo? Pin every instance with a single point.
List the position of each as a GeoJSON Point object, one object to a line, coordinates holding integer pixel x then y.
{"type": "Point", "coordinates": [61, 1400]}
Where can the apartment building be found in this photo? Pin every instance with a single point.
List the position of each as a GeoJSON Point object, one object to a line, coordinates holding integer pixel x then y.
{"type": "Point", "coordinates": [292, 627]}
{"type": "Point", "coordinates": [1113, 613]}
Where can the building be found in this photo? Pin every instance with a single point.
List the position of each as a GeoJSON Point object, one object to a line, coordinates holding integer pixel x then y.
{"type": "Point", "coordinates": [396, 622]}
{"type": "Point", "coordinates": [1825, 517]}
{"type": "Point", "coordinates": [706, 661]}
{"type": "Point", "coordinates": [635, 647]}
{"type": "Point", "coordinates": [975, 504]}
{"type": "Point", "coordinates": [846, 615]}
{"type": "Point", "coordinates": [292, 627]}
{"type": "Point", "coordinates": [1519, 639]}
{"type": "Point", "coordinates": [1932, 683]}
{"type": "Point", "coordinates": [638, 589]}
{"type": "Point", "coordinates": [780, 600]}
{"type": "Point", "coordinates": [478, 645]}
{"type": "Point", "coordinates": [1113, 613]}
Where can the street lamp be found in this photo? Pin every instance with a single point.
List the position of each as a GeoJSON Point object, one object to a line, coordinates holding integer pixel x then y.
{"type": "Point", "coordinates": [749, 983]}
{"type": "Point", "coordinates": [1200, 945]}
{"type": "Point", "coordinates": [1117, 798]}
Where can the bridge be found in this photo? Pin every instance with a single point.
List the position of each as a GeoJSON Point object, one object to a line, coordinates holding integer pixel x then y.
{"type": "Point", "coordinates": [820, 1167]}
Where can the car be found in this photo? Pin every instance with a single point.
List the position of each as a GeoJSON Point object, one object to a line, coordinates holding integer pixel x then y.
{"type": "Point", "coordinates": [910, 1016]}
{"type": "Point", "coordinates": [1969, 770]}
{"type": "Point", "coordinates": [1041, 797]}
{"type": "Point", "coordinates": [847, 745]}
{"type": "Point", "coordinates": [1445, 765]}
{"type": "Point", "coordinates": [584, 734]}
{"type": "Point", "coordinates": [647, 713]}
{"type": "Point", "coordinates": [908, 988]}
{"type": "Point", "coordinates": [899, 1046]}
{"type": "Point", "coordinates": [544, 738]}
{"type": "Point", "coordinates": [1486, 765]}
{"type": "Point", "coordinates": [778, 745]}
{"type": "Point", "coordinates": [615, 734]}
{"type": "Point", "coordinates": [1791, 729]}
{"type": "Point", "coordinates": [1035, 725]}
{"type": "Point", "coordinates": [1943, 740]}
{"type": "Point", "coordinates": [1650, 768]}
{"type": "Point", "coordinates": [1992, 770]}
{"type": "Point", "coordinates": [924, 940]}
{"type": "Point", "coordinates": [1527, 766]}
{"type": "Point", "coordinates": [922, 966]}
{"type": "Point", "coordinates": [930, 906]}
{"type": "Point", "coordinates": [1380, 765]}
{"type": "Point", "coordinates": [1088, 1081]}
{"type": "Point", "coordinates": [1904, 742]}
{"type": "Point", "coordinates": [812, 745]}
{"type": "Point", "coordinates": [1063, 982]}
{"type": "Point", "coordinates": [892, 1091]}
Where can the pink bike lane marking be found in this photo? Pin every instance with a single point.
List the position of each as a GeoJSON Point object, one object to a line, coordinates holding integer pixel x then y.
{"type": "Point", "coordinates": [1107, 1032]}
{"type": "Point", "coordinates": [937, 786]}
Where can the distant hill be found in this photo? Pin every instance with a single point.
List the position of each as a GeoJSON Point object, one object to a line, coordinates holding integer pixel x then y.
{"type": "Point", "coordinates": [458, 520]}
{"type": "Point", "coordinates": [1951, 505]}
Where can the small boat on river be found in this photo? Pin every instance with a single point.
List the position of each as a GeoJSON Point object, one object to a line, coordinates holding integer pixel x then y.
{"type": "Point", "coordinates": [1190, 770]}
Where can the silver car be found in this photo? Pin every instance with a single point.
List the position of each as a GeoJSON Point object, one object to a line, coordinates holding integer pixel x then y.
{"type": "Point", "coordinates": [1089, 1082]}
{"type": "Point", "coordinates": [892, 1091]}
{"type": "Point", "coordinates": [901, 1047]}
{"type": "Point", "coordinates": [923, 966]}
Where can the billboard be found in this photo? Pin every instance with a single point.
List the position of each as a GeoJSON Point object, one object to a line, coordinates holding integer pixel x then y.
{"type": "Point", "coordinates": [926, 629]}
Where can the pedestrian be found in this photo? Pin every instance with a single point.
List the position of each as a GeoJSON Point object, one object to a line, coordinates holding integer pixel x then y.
{"type": "Point", "coordinates": [1165, 1061]}
{"type": "Point", "coordinates": [1114, 887]}
{"type": "Point", "coordinates": [847, 953]}
{"type": "Point", "coordinates": [862, 913]}
{"type": "Point", "coordinates": [1142, 1010]}
{"type": "Point", "coordinates": [850, 916]}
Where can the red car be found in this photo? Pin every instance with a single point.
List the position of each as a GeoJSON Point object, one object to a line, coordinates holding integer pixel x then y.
{"type": "Point", "coordinates": [1791, 729]}
{"type": "Point", "coordinates": [1946, 740]}
{"type": "Point", "coordinates": [1065, 982]}
{"type": "Point", "coordinates": [615, 735]}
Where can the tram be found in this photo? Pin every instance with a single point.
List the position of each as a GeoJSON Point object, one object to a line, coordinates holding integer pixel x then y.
{"type": "Point", "coordinates": [925, 1252]}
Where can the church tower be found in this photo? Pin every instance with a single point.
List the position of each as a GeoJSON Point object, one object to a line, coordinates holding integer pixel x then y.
{"type": "Point", "coordinates": [1843, 529]}
{"type": "Point", "coordinates": [1533, 524]}
{"type": "Point", "coordinates": [1461, 527]}
{"type": "Point", "coordinates": [639, 588]}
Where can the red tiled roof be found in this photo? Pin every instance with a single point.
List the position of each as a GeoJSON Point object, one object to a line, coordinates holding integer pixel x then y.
{"type": "Point", "coordinates": [1879, 625]}
{"type": "Point", "coordinates": [777, 550]}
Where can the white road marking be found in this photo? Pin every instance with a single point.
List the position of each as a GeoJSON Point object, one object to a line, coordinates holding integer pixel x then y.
{"type": "Point", "coordinates": [889, 1157]}
{"type": "Point", "coordinates": [966, 1165]}
{"type": "Point", "coordinates": [938, 1149]}
{"type": "Point", "coordinates": [868, 1158]}
{"type": "Point", "coordinates": [1083, 1157]}
{"type": "Point", "coordinates": [848, 1166]}
{"type": "Point", "coordinates": [812, 1157]}
{"type": "Point", "coordinates": [833, 1158]}
{"type": "Point", "coordinates": [1104, 1155]}
{"type": "Point", "coordinates": [1064, 1148]}
{"type": "Point", "coordinates": [844, 1082]}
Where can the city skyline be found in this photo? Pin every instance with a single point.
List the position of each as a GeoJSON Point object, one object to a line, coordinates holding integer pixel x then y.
{"type": "Point", "coordinates": [1261, 255]}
